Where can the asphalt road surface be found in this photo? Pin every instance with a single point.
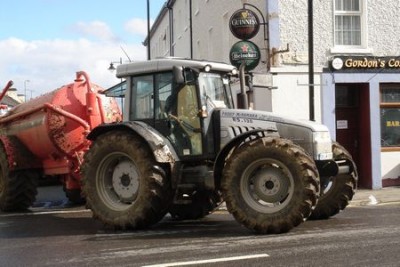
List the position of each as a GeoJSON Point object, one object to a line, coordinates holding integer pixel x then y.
{"type": "Point", "coordinates": [56, 234]}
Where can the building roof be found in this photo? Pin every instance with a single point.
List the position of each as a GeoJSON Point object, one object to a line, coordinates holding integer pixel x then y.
{"type": "Point", "coordinates": [9, 101]}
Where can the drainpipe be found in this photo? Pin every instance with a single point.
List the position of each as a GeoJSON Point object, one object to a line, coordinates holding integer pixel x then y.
{"type": "Point", "coordinates": [171, 29]}
{"type": "Point", "coordinates": [311, 59]}
{"type": "Point", "coordinates": [191, 29]}
{"type": "Point", "coordinates": [148, 30]}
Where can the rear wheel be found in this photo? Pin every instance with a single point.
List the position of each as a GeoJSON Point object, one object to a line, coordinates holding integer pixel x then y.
{"type": "Point", "coordinates": [270, 185]}
{"type": "Point", "coordinates": [120, 183]}
{"type": "Point", "coordinates": [339, 190]}
{"type": "Point", "coordinates": [18, 189]}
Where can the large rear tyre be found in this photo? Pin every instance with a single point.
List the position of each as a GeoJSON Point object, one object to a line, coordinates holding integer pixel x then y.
{"type": "Point", "coordinates": [18, 189]}
{"type": "Point", "coordinates": [203, 203]}
{"type": "Point", "coordinates": [339, 191]}
{"type": "Point", "coordinates": [270, 185]}
{"type": "Point", "coordinates": [122, 187]}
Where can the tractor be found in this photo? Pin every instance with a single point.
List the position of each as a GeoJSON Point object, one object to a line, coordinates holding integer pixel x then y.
{"type": "Point", "coordinates": [183, 148]}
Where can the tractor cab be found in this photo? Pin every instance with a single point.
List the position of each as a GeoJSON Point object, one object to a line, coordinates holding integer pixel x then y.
{"type": "Point", "coordinates": [178, 102]}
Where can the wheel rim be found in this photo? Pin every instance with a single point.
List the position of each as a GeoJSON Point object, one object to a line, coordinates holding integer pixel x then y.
{"type": "Point", "coordinates": [118, 181]}
{"type": "Point", "coordinates": [267, 185]}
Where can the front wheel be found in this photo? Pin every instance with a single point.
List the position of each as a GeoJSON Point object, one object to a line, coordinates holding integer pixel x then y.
{"type": "Point", "coordinates": [270, 185]}
{"type": "Point", "coordinates": [339, 190]}
{"type": "Point", "coordinates": [121, 185]}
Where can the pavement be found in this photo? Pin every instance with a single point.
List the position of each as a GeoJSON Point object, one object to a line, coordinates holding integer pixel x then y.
{"type": "Point", "coordinates": [386, 195]}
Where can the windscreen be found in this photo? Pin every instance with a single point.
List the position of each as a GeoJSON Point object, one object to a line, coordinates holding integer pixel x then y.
{"type": "Point", "coordinates": [215, 91]}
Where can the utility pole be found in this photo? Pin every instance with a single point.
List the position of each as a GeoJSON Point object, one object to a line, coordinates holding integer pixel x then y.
{"type": "Point", "coordinates": [148, 30]}
{"type": "Point", "coordinates": [26, 97]}
{"type": "Point", "coordinates": [311, 59]}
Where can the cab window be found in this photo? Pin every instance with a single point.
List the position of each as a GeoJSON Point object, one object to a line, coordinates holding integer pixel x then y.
{"type": "Point", "coordinates": [142, 104]}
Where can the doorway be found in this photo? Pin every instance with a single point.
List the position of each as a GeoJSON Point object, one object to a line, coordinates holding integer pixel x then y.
{"type": "Point", "coordinates": [353, 126]}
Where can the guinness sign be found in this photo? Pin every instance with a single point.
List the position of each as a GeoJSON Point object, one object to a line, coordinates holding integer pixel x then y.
{"type": "Point", "coordinates": [244, 24]}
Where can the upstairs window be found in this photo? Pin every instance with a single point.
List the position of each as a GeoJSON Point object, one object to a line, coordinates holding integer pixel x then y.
{"type": "Point", "coordinates": [349, 23]}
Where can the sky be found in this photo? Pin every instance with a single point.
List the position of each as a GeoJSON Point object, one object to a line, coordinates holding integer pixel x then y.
{"type": "Point", "coordinates": [43, 43]}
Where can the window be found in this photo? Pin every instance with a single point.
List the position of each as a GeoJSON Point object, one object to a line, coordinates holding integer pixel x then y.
{"type": "Point", "coordinates": [142, 106]}
{"type": "Point", "coordinates": [149, 95]}
{"type": "Point", "coordinates": [163, 86]}
{"type": "Point", "coordinates": [349, 23]}
{"type": "Point", "coordinates": [390, 116]}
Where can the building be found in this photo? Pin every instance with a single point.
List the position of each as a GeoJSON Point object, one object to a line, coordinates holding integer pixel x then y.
{"type": "Point", "coordinates": [10, 100]}
{"type": "Point", "coordinates": [356, 66]}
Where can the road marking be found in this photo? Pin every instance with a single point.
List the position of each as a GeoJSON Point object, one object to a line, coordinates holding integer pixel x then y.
{"type": "Point", "coordinates": [209, 261]}
{"type": "Point", "coordinates": [372, 200]}
{"type": "Point", "coordinates": [35, 213]}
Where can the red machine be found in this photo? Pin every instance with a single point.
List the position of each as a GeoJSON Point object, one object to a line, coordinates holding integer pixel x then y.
{"type": "Point", "coordinates": [46, 136]}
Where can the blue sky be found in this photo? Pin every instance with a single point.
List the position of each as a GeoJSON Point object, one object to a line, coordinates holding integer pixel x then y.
{"type": "Point", "coordinates": [47, 41]}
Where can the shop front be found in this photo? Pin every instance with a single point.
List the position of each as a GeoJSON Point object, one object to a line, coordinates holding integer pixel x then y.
{"type": "Point", "coordinates": [361, 107]}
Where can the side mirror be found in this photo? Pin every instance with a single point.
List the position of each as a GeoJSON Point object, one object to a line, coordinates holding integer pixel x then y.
{"type": "Point", "coordinates": [184, 75]}
{"type": "Point", "coordinates": [179, 77]}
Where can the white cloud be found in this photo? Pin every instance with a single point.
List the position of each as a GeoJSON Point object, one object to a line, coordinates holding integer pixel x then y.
{"type": "Point", "coordinates": [137, 27]}
{"type": "Point", "coordinates": [50, 64]}
{"type": "Point", "coordinates": [96, 29]}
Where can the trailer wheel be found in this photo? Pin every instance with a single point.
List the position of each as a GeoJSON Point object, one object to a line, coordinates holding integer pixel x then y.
{"type": "Point", "coordinates": [18, 189]}
{"type": "Point", "coordinates": [270, 185]}
{"type": "Point", "coordinates": [340, 189]}
{"type": "Point", "coordinates": [203, 203]}
{"type": "Point", "coordinates": [121, 185]}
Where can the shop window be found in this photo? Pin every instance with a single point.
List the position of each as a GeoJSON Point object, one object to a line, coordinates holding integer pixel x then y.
{"type": "Point", "coordinates": [390, 116]}
{"type": "Point", "coordinates": [349, 16]}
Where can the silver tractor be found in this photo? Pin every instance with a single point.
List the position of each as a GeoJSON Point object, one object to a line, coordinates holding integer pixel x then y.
{"type": "Point", "coordinates": [183, 148]}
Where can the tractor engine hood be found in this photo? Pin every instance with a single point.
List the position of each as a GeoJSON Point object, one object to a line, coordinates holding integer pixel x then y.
{"type": "Point", "coordinates": [312, 136]}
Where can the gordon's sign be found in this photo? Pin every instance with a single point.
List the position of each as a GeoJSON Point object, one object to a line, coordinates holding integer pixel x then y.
{"type": "Point", "coordinates": [365, 63]}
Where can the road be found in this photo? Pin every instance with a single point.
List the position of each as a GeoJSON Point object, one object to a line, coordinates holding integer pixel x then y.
{"type": "Point", "coordinates": [54, 234]}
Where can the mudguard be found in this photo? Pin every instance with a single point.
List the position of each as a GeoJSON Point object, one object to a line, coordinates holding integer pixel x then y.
{"type": "Point", "coordinates": [160, 146]}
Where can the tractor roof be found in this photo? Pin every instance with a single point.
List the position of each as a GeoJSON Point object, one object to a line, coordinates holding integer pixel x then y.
{"type": "Point", "coordinates": [165, 64]}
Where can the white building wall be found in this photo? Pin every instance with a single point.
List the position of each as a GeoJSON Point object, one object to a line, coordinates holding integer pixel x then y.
{"type": "Point", "coordinates": [292, 96]}
{"type": "Point", "coordinates": [160, 38]}
{"type": "Point", "coordinates": [212, 37]}
{"type": "Point", "coordinates": [181, 24]}
{"type": "Point", "coordinates": [384, 27]}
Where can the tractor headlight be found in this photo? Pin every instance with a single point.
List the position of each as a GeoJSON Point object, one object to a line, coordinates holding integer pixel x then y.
{"type": "Point", "coordinates": [322, 145]}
